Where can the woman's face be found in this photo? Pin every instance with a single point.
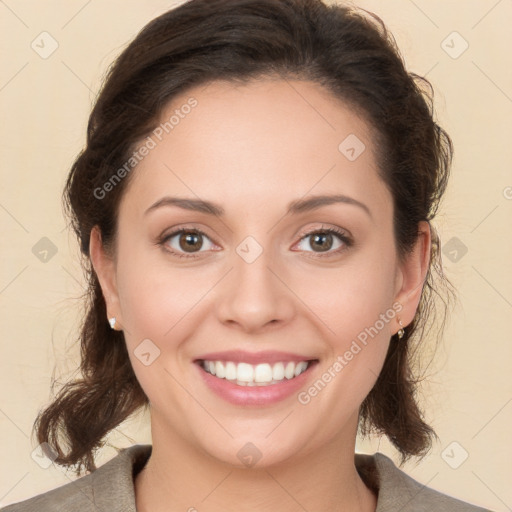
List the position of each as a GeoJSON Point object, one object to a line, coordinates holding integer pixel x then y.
{"type": "Point", "coordinates": [255, 286]}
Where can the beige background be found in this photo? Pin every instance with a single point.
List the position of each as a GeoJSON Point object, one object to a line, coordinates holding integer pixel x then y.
{"type": "Point", "coordinates": [44, 108]}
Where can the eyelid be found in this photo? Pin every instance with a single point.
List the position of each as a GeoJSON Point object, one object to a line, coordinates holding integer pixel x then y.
{"type": "Point", "coordinates": [325, 228]}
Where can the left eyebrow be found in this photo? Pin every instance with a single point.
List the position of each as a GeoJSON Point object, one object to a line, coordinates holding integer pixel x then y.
{"type": "Point", "coordinates": [295, 207]}
{"type": "Point", "coordinates": [312, 203]}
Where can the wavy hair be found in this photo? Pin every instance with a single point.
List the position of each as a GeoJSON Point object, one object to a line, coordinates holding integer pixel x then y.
{"type": "Point", "coordinates": [345, 49]}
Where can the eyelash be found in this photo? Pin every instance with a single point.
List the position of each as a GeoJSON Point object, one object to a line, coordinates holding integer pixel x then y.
{"type": "Point", "coordinates": [347, 241]}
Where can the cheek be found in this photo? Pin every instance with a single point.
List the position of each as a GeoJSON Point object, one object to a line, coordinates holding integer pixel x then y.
{"type": "Point", "coordinates": [158, 311]}
{"type": "Point", "coordinates": [154, 295]}
{"type": "Point", "coordinates": [352, 298]}
{"type": "Point", "coordinates": [357, 317]}
{"type": "Point", "coordinates": [355, 307]}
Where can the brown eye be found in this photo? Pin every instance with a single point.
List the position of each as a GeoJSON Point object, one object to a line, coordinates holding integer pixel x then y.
{"type": "Point", "coordinates": [187, 241]}
{"type": "Point", "coordinates": [328, 241]}
{"type": "Point", "coordinates": [322, 241]}
{"type": "Point", "coordinates": [190, 241]}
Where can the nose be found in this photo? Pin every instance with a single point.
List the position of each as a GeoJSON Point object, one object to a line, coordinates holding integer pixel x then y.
{"type": "Point", "coordinates": [255, 296]}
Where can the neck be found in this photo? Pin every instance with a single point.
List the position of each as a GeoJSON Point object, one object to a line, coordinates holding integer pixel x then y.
{"type": "Point", "coordinates": [178, 477]}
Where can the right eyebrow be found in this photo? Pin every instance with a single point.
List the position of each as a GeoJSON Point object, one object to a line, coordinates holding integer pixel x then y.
{"type": "Point", "coordinates": [197, 205]}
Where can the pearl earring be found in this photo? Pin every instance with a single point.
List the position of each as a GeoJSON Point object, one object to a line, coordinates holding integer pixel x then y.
{"type": "Point", "coordinates": [400, 333]}
{"type": "Point", "coordinates": [112, 322]}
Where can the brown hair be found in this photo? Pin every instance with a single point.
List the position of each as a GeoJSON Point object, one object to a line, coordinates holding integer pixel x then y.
{"type": "Point", "coordinates": [347, 50]}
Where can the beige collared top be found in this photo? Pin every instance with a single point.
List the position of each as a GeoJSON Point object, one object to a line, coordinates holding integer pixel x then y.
{"type": "Point", "coordinates": [111, 488]}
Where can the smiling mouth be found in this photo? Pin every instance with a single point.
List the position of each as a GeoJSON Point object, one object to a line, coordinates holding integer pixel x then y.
{"type": "Point", "coordinates": [263, 374]}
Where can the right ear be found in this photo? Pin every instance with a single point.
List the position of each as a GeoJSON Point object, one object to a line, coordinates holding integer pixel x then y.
{"type": "Point", "coordinates": [105, 268]}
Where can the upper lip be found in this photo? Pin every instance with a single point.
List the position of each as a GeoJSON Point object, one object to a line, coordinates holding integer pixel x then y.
{"type": "Point", "coordinates": [240, 356]}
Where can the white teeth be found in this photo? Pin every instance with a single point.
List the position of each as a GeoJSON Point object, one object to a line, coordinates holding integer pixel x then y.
{"type": "Point", "coordinates": [278, 371]}
{"type": "Point", "coordinates": [230, 371]}
{"type": "Point", "coordinates": [300, 368]}
{"type": "Point", "coordinates": [289, 371]}
{"type": "Point", "coordinates": [220, 371]}
{"type": "Point", "coordinates": [262, 374]}
{"type": "Point", "coordinates": [245, 372]}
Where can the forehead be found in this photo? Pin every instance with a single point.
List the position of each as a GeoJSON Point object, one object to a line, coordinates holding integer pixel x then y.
{"type": "Point", "coordinates": [270, 140]}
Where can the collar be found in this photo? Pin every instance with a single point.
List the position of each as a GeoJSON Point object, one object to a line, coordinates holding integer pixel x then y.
{"type": "Point", "coordinates": [113, 489]}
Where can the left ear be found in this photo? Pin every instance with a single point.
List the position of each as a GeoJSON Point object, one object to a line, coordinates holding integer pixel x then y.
{"type": "Point", "coordinates": [105, 268]}
{"type": "Point", "coordinates": [412, 273]}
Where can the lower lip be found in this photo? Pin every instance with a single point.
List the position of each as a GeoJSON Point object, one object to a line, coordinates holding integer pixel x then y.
{"type": "Point", "coordinates": [255, 395]}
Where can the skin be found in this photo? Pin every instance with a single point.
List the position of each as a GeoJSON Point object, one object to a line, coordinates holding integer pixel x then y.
{"type": "Point", "coordinates": [253, 149]}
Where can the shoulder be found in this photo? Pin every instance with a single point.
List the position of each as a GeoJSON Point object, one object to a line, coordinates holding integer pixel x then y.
{"type": "Point", "coordinates": [398, 491]}
{"type": "Point", "coordinates": [110, 487]}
